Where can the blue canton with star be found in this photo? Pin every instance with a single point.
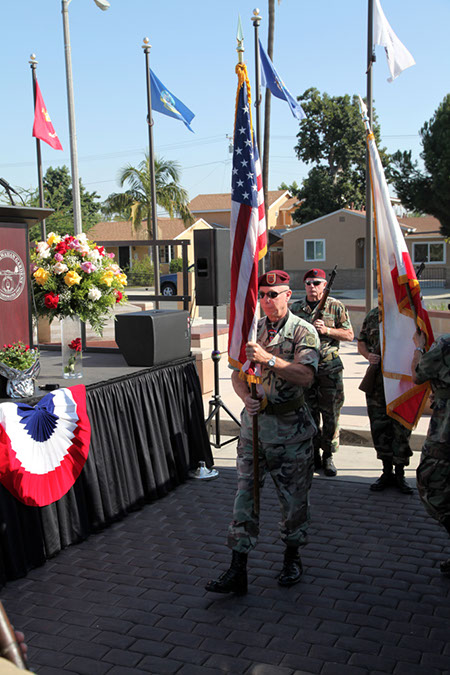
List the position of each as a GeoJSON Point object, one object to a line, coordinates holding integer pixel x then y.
{"type": "Point", "coordinates": [243, 181]}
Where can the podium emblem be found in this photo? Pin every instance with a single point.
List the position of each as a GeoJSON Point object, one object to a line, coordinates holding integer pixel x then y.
{"type": "Point", "coordinates": [12, 275]}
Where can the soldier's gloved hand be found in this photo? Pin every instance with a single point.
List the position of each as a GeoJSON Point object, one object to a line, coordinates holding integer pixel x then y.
{"type": "Point", "coordinates": [252, 405]}
{"type": "Point", "coordinates": [320, 327]}
{"type": "Point", "coordinates": [374, 359]}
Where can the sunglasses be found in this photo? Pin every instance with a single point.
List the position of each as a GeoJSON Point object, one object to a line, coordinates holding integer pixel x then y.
{"type": "Point", "coordinates": [271, 294]}
{"type": "Point", "coordinates": [313, 283]}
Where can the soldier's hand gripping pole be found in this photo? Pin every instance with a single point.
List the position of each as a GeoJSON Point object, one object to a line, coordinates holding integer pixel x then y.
{"type": "Point", "coordinates": [9, 647]}
{"type": "Point", "coordinates": [255, 455]}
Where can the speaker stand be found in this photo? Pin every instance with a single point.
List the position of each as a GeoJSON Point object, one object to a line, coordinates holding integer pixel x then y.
{"type": "Point", "coordinates": [216, 402]}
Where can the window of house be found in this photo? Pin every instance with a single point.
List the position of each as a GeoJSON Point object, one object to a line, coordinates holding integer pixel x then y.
{"type": "Point", "coordinates": [428, 252]}
{"type": "Point", "coordinates": [165, 254]}
{"type": "Point", "coordinates": [314, 249]}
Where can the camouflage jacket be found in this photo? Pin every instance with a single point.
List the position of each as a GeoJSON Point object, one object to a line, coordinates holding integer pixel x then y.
{"type": "Point", "coordinates": [435, 366]}
{"type": "Point", "coordinates": [335, 315]}
{"type": "Point", "coordinates": [296, 341]}
{"type": "Point", "coordinates": [370, 335]}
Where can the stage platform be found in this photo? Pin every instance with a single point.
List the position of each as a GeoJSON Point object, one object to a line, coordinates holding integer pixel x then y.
{"type": "Point", "coordinates": [148, 431]}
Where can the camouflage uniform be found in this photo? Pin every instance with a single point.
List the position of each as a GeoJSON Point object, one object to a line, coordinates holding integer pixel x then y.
{"type": "Point", "coordinates": [326, 396]}
{"type": "Point", "coordinates": [433, 472]}
{"type": "Point", "coordinates": [390, 438]}
{"type": "Point", "coordinates": [285, 448]}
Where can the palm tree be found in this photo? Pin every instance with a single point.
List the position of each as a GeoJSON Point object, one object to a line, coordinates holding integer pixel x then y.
{"type": "Point", "coordinates": [136, 202]}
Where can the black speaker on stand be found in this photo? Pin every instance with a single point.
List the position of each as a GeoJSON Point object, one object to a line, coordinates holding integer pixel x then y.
{"type": "Point", "coordinates": [212, 288]}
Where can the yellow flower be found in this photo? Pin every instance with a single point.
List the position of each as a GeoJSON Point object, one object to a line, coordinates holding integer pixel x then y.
{"type": "Point", "coordinates": [107, 278]}
{"type": "Point", "coordinates": [53, 238]}
{"type": "Point", "coordinates": [72, 278]}
{"type": "Point", "coordinates": [41, 276]}
{"type": "Point", "coordinates": [122, 279]}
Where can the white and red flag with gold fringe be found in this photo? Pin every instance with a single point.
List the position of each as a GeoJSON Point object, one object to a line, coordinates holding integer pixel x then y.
{"type": "Point", "coordinates": [404, 400]}
{"type": "Point", "coordinates": [43, 448]}
{"type": "Point", "coordinates": [247, 230]}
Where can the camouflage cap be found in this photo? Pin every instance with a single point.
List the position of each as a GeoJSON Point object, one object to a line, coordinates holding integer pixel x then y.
{"type": "Point", "coordinates": [274, 278]}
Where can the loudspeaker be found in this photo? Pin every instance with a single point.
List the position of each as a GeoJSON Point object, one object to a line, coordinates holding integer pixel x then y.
{"type": "Point", "coordinates": [212, 267]}
{"type": "Point", "coordinates": [153, 337]}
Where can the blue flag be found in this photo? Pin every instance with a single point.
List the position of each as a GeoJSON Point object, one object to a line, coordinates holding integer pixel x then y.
{"type": "Point", "coordinates": [165, 102]}
{"type": "Point", "coordinates": [271, 80]}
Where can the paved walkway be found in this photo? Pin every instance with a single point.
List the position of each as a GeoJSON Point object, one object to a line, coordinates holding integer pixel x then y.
{"type": "Point", "coordinates": [131, 599]}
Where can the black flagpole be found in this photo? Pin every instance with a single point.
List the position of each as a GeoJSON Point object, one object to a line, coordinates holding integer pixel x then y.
{"type": "Point", "coordinates": [146, 47]}
{"type": "Point", "coordinates": [369, 213]}
{"type": "Point", "coordinates": [33, 65]}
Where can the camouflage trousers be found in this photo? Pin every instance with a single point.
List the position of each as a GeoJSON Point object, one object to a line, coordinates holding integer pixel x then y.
{"type": "Point", "coordinates": [325, 399]}
{"type": "Point", "coordinates": [291, 468]}
{"type": "Point", "coordinates": [433, 483]}
{"type": "Point", "coordinates": [390, 438]}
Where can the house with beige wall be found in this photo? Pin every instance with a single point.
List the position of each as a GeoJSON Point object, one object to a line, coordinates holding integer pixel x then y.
{"type": "Point", "coordinates": [339, 239]}
{"type": "Point", "coordinates": [130, 244]}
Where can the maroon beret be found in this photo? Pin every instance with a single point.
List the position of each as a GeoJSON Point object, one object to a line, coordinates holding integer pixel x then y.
{"type": "Point", "coordinates": [274, 278]}
{"type": "Point", "coordinates": [315, 274]}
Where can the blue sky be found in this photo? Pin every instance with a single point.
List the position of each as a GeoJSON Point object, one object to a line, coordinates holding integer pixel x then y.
{"type": "Point", "coordinates": [320, 43]}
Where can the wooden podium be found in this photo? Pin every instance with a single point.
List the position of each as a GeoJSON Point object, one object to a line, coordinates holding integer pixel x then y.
{"type": "Point", "coordinates": [15, 285]}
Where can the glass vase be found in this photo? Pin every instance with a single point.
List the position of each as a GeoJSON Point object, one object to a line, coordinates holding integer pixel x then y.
{"type": "Point", "coordinates": [72, 355]}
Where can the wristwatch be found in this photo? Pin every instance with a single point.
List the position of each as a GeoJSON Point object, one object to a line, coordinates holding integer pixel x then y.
{"type": "Point", "coordinates": [271, 361]}
{"type": "Point", "coordinates": [420, 349]}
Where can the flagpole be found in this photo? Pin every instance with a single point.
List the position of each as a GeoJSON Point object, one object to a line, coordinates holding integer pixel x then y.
{"type": "Point", "coordinates": [256, 19]}
{"type": "Point", "coordinates": [33, 65]}
{"type": "Point", "coordinates": [146, 47]}
{"type": "Point", "coordinates": [369, 207]}
{"type": "Point", "coordinates": [255, 434]}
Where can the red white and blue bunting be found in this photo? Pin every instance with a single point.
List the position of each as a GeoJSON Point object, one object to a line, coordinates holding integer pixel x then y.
{"type": "Point", "coordinates": [43, 448]}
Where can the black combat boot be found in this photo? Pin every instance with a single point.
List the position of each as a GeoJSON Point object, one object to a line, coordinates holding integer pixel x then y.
{"type": "Point", "coordinates": [328, 466]}
{"type": "Point", "coordinates": [400, 482]}
{"type": "Point", "coordinates": [317, 460]}
{"type": "Point", "coordinates": [386, 479]}
{"type": "Point", "coordinates": [234, 580]}
{"type": "Point", "coordinates": [292, 567]}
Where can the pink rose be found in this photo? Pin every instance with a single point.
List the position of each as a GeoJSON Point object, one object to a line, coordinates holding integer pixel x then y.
{"type": "Point", "coordinates": [59, 257]}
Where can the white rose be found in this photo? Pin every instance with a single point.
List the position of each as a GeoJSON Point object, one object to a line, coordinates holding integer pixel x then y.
{"type": "Point", "coordinates": [82, 238]}
{"type": "Point", "coordinates": [94, 255]}
{"type": "Point", "coordinates": [94, 293]}
{"type": "Point", "coordinates": [83, 249]}
{"type": "Point", "coordinates": [60, 268]}
{"type": "Point", "coordinates": [43, 249]}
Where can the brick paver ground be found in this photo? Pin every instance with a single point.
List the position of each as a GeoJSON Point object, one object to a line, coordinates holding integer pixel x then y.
{"type": "Point", "coordinates": [131, 599]}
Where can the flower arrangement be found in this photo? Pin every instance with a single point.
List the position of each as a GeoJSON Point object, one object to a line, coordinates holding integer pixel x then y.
{"type": "Point", "coordinates": [75, 356]}
{"type": "Point", "coordinates": [72, 276]}
{"type": "Point", "coordinates": [18, 355]}
{"type": "Point", "coordinates": [19, 366]}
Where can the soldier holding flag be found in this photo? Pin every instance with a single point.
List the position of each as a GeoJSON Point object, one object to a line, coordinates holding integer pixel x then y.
{"type": "Point", "coordinates": [287, 350]}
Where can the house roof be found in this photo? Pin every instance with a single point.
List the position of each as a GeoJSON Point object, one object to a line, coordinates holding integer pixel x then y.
{"type": "Point", "coordinates": [360, 214]}
{"type": "Point", "coordinates": [290, 203]}
{"type": "Point", "coordinates": [222, 201]}
{"type": "Point", "coordinates": [122, 230]}
{"type": "Point", "coordinates": [421, 225]}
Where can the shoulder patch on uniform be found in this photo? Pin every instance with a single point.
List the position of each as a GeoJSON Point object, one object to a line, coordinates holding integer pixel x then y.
{"type": "Point", "coordinates": [310, 340]}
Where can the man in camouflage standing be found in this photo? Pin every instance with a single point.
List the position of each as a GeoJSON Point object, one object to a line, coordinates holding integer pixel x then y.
{"type": "Point", "coordinates": [390, 438]}
{"type": "Point", "coordinates": [326, 396]}
{"type": "Point", "coordinates": [287, 348]}
{"type": "Point", "coordinates": [433, 472]}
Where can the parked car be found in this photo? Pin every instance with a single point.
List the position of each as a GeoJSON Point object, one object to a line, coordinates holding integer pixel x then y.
{"type": "Point", "coordinates": [167, 282]}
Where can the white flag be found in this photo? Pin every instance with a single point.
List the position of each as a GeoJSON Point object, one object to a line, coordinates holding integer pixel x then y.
{"type": "Point", "coordinates": [398, 57]}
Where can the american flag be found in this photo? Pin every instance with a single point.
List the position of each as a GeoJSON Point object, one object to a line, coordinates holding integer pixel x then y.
{"type": "Point", "coordinates": [247, 229]}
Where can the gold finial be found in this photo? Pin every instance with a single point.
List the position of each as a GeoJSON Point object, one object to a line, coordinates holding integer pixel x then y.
{"type": "Point", "coordinates": [146, 44]}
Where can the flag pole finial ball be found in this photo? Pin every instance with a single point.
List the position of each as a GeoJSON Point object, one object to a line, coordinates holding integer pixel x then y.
{"type": "Point", "coordinates": [33, 57]}
{"type": "Point", "coordinates": [146, 40]}
{"type": "Point", "coordinates": [256, 11]}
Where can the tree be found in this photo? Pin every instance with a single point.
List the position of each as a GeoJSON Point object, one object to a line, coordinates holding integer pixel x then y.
{"type": "Point", "coordinates": [333, 137]}
{"type": "Point", "coordinates": [136, 203]}
{"type": "Point", "coordinates": [58, 196]}
{"type": "Point", "coordinates": [428, 191]}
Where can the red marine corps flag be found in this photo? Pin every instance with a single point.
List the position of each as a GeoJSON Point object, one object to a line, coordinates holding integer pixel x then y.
{"type": "Point", "coordinates": [43, 127]}
{"type": "Point", "coordinates": [247, 230]}
{"type": "Point", "coordinates": [399, 300]}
